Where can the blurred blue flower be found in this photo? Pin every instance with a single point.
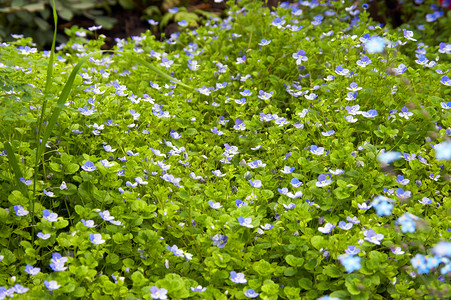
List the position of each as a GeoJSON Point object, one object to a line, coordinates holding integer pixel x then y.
{"type": "Point", "coordinates": [246, 222]}
{"type": "Point", "coordinates": [32, 271]}
{"type": "Point", "coordinates": [375, 45]}
{"type": "Point", "coordinates": [51, 285]}
{"type": "Point", "coordinates": [250, 293]}
{"type": "Point", "coordinates": [49, 216]}
{"type": "Point", "coordinates": [96, 238]}
{"type": "Point", "coordinates": [20, 210]}
{"type": "Point", "coordinates": [350, 262]}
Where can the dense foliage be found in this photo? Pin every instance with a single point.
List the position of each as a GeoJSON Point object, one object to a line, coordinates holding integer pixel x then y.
{"type": "Point", "coordinates": [309, 160]}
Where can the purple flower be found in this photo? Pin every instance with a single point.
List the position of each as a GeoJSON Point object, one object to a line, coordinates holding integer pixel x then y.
{"type": "Point", "coordinates": [88, 223]}
{"type": "Point", "coordinates": [341, 71]}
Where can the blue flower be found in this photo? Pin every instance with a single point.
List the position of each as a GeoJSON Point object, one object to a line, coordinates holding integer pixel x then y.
{"type": "Point", "coordinates": [237, 277]}
{"type": "Point", "coordinates": [287, 170]}
{"type": "Point", "coordinates": [89, 166]}
{"type": "Point", "coordinates": [264, 42]}
{"type": "Point", "coordinates": [341, 71]}
{"type": "Point", "coordinates": [32, 271]}
{"type": "Point", "coordinates": [295, 182]}
{"type": "Point", "coordinates": [327, 228]}
{"type": "Point", "coordinates": [214, 205]}
{"type": "Point", "coordinates": [401, 180]}
{"type": "Point", "coordinates": [49, 216]}
{"type": "Point", "coordinates": [199, 289]}
{"type": "Point", "coordinates": [323, 180]}
{"type": "Point", "coordinates": [57, 262]}
{"type": "Point", "coordinates": [256, 183]}
{"type": "Point", "coordinates": [373, 237]}
{"type": "Point", "coordinates": [240, 203]}
{"type": "Point", "coordinates": [26, 182]}
{"type": "Point", "coordinates": [19, 289]}
{"type": "Point", "coordinates": [445, 80]}
{"type": "Point", "coordinates": [43, 236]}
{"type": "Point", "coordinates": [219, 240]}
{"type": "Point", "coordinates": [250, 293]}
{"type": "Point", "coordinates": [350, 262]}
{"type": "Point", "coordinates": [51, 285]}
{"type": "Point", "coordinates": [370, 114]}
{"type": "Point", "coordinates": [183, 23]}
{"type": "Point", "coordinates": [316, 150]}
{"type": "Point", "coordinates": [246, 222]}
{"type": "Point", "coordinates": [156, 293]}
{"type": "Point", "coordinates": [239, 125]}
{"type": "Point", "coordinates": [88, 223]}
{"type": "Point", "coordinates": [96, 238]}
{"type": "Point", "coordinates": [352, 250]}
{"type": "Point", "coordinates": [20, 210]}
{"type": "Point", "coordinates": [382, 205]}
{"type": "Point", "coordinates": [345, 226]}
{"type": "Point", "coordinates": [375, 45]}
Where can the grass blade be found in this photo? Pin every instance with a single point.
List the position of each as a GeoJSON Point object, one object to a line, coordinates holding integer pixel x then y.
{"type": "Point", "coordinates": [60, 104]}
{"type": "Point", "coordinates": [15, 167]}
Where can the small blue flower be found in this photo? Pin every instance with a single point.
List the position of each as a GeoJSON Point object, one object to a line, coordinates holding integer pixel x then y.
{"type": "Point", "coordinates": [256, 183]}
{"type": "Point", "coordinates": [445, 80]}
{"type": "Point", "coordinates": [264, 42]}
{"type": "Point", "coordinates": [323, 180]}
{"type": "Point", "coordinates": [199, 289]}
{"type": "Point", "coordinates": [20, 210]}
{"type": "Point", "coordinates": [49, 216]}
{"type": "Point", "coordinates": [183, 23]}
{"type": "Point", "coordinates": [26, 182]}
{"type": "Point", "coordinates": [240, 203]}
{"type": "Point", "coordinates": [345, 226]}
{"type": "Point", "coordinates": [237, 277]}
{"type": "Point", "coordinates": [250, 293]}
{"type": "Point", "coordinates": [341, 71]}
{"type": "Point", "coordinates": [43, 236]}
{"type": "Point", "coordinates": [327, 228]}
{"type": "Point", "coordinates": [156, 293]}
{"type": "Point", "coordinates": [214, 205]}
{"type": "Point", "coordinates": [89, 166]}
{"type": "Point", "coordinates": [352, 250]}
{"type": "Point", "coordinates": [219, 240]}
{"type": "Point", "coordinates": [246, 222]}
{"type": "Point", "coordinates": [96, 238]}
{"type": "Point", "coordinates": [32, 271]}
{"type": "Point", "coordinates": [51, 285]}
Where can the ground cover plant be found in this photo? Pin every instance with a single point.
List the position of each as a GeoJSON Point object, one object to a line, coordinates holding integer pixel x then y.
{"type": "Point", "coordinates": [296, 154]}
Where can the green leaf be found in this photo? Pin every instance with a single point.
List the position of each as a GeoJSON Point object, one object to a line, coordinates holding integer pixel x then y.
{"type": "Point", "coordinates": [305, 283]}
{"type": "Point", "coordinates": [332, 271]}
{"type": "Point", "coordinates": [294, 261]}
{"type": "Point", "coordinates": [318, 242]}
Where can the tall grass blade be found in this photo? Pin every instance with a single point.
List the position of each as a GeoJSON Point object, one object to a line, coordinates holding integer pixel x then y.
{"type": "Point", "coordinates": [60, 104]}
{"type": "Point", "coordinates": [15, 167]}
